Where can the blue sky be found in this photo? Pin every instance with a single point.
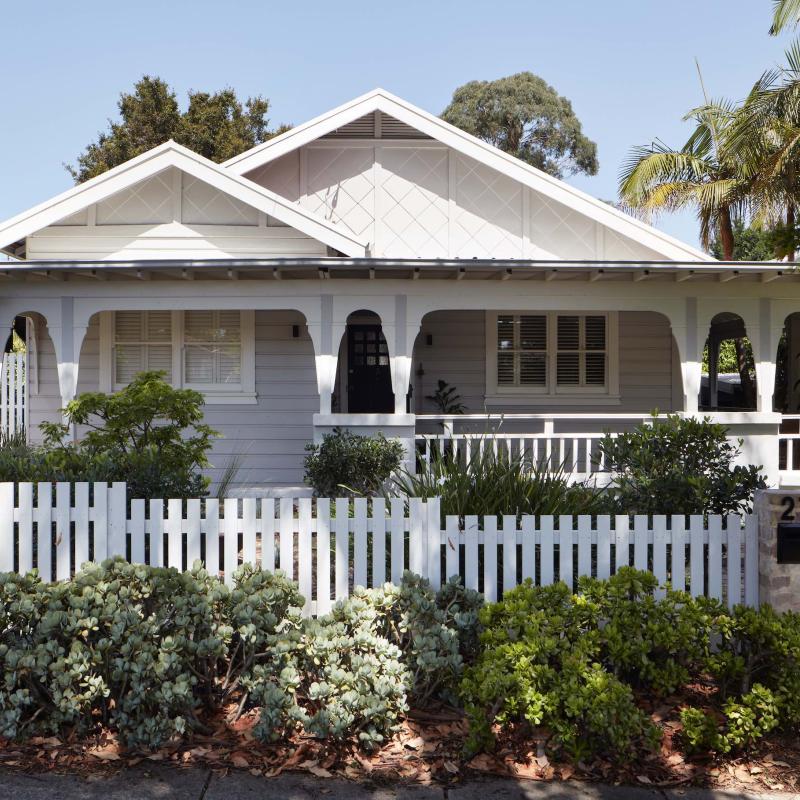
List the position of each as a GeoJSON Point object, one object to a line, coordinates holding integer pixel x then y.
{"type": "Point", "coordinates": [626, 65]}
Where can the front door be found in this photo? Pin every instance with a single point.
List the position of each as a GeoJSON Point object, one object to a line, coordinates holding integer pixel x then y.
{"type": "Point", "coordinates": [369, 382]}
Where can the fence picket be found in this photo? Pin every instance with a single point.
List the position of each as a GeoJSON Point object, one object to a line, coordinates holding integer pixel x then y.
{"type": "Point", "coordinates": [305, 555]}
{"type": "Point", "coordinates": [528, 547]}
{"type": "Point", "coordinates": [211, 530]}
{"type": "Point", "coordinates": [268, 534]}
{"type": "Point", "coordinates": [44, 530]}
{"type": "Point", "coordinates": [490, 558]}
{"type": "Point", "coordinates": [360, 542]}
{"type": "Point", "coordinates": [452, 547]}
{"type": "Point", "coordinates": [660, 552]}
{"type": "Point", "coordinates": [323, 556]}
{"type": "Point", "coordinates": [509, 552]}
{"type": "Point", "coordinates": [398, 543]}
{"type": "Point", "coordinates": [174, 534]}
{"type": "Point", "coordinates": [378, 541]}
{"type": "Point", "coordinates": [342, 532]}
{"type": "Point", "coordinates": [715, 556]}
{"type": "Point", "coordinates": [546, 550]}
{"type": "Point", "coordinates": [156, 538]}
{"type": "Point", "coordinates": [82, 524]}
{"type": "Point", "coordinates": [99, 514]}
{"type": "Point", "coordinates": [622, 539]}
{"type": "Point", "coordinates": [416, 547]}
{"type": "Point", "coordinates": [584, 545]}
{"type": "Point", "coordinates": [640, 541]}
{"type": "Point", "coordinates": [432, 537]}
{"type": "Point", "coordinates": [286, 537]}
{"type": "Point", "coordinates": [63, 531]}
{"type": "Point", "coordinates": [471, 535]}
{"type": "Point", "coordinates": [25, 527]}
{"type": "Point", "coordinates": [565, 543]}
{"type": "Point", "coordinates": [117, 519]}
{"type": "Point", "coordinates": [696, 554]}
{"type": "Point", "coordinates": [751, 561]}
{"type": "Point", "coordinates": [6, 527]}
{"type": "Point", "coordinates": [678, 549]}
{"type": "Point", "coordinates": [733, 551]}
{"type": "Point", "coordinates": [603, 547]}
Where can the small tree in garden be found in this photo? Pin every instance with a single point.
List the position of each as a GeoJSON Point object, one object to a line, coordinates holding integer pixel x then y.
{"type": "Point", "coordinates": [678, 465]}
{"type": "Point", "coordinates": [147, 434]}
{"type": "Point", "coordinates": [351, 464]}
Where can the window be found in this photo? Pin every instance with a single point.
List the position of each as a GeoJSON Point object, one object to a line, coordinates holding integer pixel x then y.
{"type": "Point", "coordinates": [210, 351]}
{"type": "Point", "coordinates": [551, 354]}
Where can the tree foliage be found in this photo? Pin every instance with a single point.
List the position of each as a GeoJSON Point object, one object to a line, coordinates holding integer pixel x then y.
{"type": "Point", "coordinates": [524, 116]}
{"type": "Point", "coordinates": [216, 125]}
{"type": "Point", "coordinates": [750, 243]}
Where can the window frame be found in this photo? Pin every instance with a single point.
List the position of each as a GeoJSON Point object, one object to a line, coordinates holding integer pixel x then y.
{"type": "Point", "coordinates": [532, 395]}
{"type": "Point", "coordinates": [214, 394]}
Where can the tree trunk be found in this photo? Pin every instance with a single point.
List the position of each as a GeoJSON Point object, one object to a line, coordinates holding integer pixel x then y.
{"type": "Point", "coordinates": [790, 223]}
{"type": "Point", "coordinates": [726, 233]}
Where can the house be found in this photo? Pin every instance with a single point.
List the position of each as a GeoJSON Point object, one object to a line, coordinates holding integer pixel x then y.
{"type": "Point", "coordinates": [334, 274]}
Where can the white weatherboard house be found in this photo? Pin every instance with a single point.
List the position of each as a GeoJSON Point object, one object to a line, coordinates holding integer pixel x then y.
{"type": "Point", "coordinates": [333, 275]}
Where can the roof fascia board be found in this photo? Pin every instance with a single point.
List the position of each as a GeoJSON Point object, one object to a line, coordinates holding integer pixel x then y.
{"type": "Point", "coordinates": [157, 160]}
{"type": "Point", "coordinates": [472, 147]}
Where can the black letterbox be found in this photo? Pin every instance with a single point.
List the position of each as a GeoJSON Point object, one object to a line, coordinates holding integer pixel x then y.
{"type": "Point", "coordinates": [789, 542]}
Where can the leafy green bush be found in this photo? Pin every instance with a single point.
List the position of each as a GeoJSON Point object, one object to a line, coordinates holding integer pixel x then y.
{"type": "Point", "coordinates": [678, 463]}
{"type": "Point", "coordinates": [494, 484]}
{"type": "Point", "coordinates": [539, 666]}
{"type": "Point", "coordinates": [347, 463]}
{"type": "Point", "coordinates": [148, 434]}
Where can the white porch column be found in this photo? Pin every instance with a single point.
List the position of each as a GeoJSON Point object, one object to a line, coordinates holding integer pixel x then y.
{"type": "Point", "coordinates": [324, 336]}
{"type": "Point", "coordinates": [67, 340]}
{"type": "Point", "coordinates": [690, 351]}
{"type": "Point", "coordinates": [406, 328]}
{"type": "Point", "coordinates": [765, 347]}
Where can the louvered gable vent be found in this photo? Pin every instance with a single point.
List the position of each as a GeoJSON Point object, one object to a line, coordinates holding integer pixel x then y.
{"type": "Point", "coordinates": [366, 127]}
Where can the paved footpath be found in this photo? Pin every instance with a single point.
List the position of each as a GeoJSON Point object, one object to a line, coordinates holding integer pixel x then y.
{"type": "Point", "coordinates": [170, 783]}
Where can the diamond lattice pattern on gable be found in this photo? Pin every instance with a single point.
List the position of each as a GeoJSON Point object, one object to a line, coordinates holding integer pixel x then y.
{"type": "Point", "coordinates": [340, 187]}
{"type": "Point", "coordinates": [414, 203]}
{"type": "Point", "coordinates": [561, 231]}
{"type": "Point", "coordinates": [202, 204]}
{"type": "Point", "coordinates": [146, 203]}
{"type": "Point", "coordinates": [488, 220]}
{"type": "Point", "coordinates": [281, 176]}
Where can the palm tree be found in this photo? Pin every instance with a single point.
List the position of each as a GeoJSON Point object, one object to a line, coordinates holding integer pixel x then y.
{"type": "Point", "coordinates": [786, 13]}
{"type": "Point", "coordinates": [657, 178]}
{"type": "Point", "coordinates": [702, 174]}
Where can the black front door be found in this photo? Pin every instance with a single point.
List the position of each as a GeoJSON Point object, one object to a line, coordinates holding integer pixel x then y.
{"type": "Point", "coordinates": [369, 382]}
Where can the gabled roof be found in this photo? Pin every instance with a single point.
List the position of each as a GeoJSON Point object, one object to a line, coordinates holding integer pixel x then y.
{"type": "Point", "coordinates": [171, 154]}
{"type": "Point", "coordinates": [430, 125]}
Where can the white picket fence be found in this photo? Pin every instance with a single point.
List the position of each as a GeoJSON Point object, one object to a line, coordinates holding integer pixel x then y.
{"type": "Point", "coordinates": [330, 546]}
{"type": "Point", "coordinates": [13, 394]}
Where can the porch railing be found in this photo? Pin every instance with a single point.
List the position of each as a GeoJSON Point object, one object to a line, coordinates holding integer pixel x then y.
{"type": "Point", "coordinates": [789, 450]}
{"type": "Point", "coordinates": [13, 394]}
{"type": "Point", "coordinates": [558, 442]}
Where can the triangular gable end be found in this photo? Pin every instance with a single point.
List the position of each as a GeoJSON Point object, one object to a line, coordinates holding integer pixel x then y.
{"type": "Point", "coordinates": [171, 198]}
{"type": "Point", "coordinates": [550, 219]}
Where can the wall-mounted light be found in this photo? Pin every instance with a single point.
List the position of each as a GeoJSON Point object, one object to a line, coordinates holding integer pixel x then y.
{"type": "Point", "coordinates": [295, 331]}
{"type": "Point", "coordinates": [429, 339]}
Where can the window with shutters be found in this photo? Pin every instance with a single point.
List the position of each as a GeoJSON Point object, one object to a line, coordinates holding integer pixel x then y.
{"type": "Point", "coordinates": [551, 354]}
{"type": "Point", "coordinates": [210, 351]}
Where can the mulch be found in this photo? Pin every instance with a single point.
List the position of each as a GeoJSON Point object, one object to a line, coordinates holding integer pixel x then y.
{"type": "Point", "coordinates": [429, 749]}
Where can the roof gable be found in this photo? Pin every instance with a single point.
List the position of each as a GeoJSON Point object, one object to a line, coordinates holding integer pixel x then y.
{"type": "Point", "coordinates": [630, 233]}
{"type": "Point", "coordinates": [129, 185]}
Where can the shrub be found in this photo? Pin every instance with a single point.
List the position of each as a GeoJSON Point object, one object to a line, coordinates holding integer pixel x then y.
{"type": "Point", "coordinates": [678, 463]}
{"type": "Point", "coordinates": [359, 465]}
{"type": "Point", "coordinates": [494, 484]}
{"type": "Point", "coordinates": [539, 666]}
{"type": "Point", "coordinates": [335, 678]}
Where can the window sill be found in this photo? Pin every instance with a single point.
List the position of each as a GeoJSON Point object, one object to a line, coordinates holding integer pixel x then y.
{"type": "Point", "coordinates": [552, 399]}
{"type": "Point", "coordinates": [231, 398]}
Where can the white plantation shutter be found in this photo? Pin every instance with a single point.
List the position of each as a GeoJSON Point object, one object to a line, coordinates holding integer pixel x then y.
{"type": "Point", "coordinates": [552, 353]}
{"type": "Point", "coordinates": [522, 350]}
{"type": "Point", "coordinates": [142, 341]}
{"type": "Point", "coordinates": [212, 352]}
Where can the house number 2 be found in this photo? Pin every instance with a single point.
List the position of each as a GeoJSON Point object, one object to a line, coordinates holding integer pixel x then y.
{"type": "Point", "coordinates": [788, 504]}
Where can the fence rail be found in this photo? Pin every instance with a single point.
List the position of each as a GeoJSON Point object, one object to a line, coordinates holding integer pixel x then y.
{"type": "Point", "coordinates": [13, 394]}
{"type": "Point", "coordinates": [330, 546]}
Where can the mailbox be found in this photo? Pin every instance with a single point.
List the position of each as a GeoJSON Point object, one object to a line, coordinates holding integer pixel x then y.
{"type": "Point", "coordinates": [789, 542]}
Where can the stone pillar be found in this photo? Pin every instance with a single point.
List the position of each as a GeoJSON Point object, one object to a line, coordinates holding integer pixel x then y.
{"type": "Point", "coordinates": [778, 584]}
